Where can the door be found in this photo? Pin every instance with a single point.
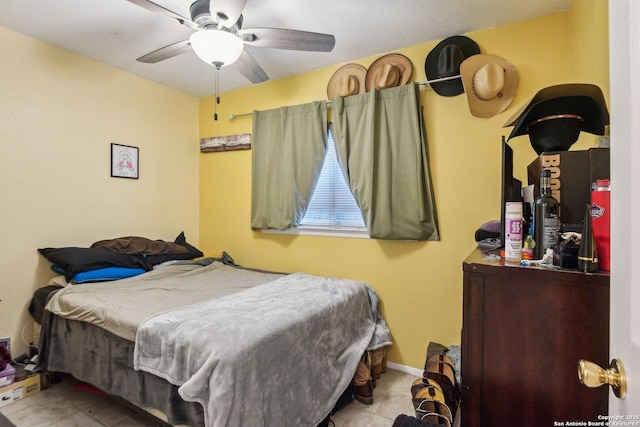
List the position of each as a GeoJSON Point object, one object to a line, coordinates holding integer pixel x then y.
{"type": "Point", "coordinates": [624, 42]}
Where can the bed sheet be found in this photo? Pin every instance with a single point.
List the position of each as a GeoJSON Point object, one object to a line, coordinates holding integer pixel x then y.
{"type": "Point", "coordinates": [120, 306]}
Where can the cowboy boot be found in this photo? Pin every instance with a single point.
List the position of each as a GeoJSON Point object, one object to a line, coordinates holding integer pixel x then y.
{"type": "Point", "coordinates": [362, 388]}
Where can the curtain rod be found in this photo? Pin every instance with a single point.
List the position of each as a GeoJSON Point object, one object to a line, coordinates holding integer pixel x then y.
{"type": "Point", "coordinates": [424, 83]}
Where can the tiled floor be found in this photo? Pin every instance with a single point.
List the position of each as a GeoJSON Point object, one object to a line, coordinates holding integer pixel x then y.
{"type": "Point", "coordinates": [64, 405]}
{"type": "Point", "coordinates": [391, 397]}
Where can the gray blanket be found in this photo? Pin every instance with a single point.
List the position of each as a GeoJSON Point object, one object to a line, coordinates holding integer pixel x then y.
{"type": "Point", "coordinates": [120, 306]}
{"type": "Point", "coordinates": [278, 354]}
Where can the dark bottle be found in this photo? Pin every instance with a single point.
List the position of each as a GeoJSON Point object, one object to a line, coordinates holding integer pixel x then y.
{"type": "Point", "coordinates": [546, 217]}
{"type": "Point", "coordinates": [587, 254]}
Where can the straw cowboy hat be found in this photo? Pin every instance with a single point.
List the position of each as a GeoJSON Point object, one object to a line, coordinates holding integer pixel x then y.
{"type": "Point", "coordinates": [556, 115]}
{"type": "Point", "coordinates": [347, 80]}
{"type": "Point", "coordinates": [444, 61]}
{"type": "Point", "coordinates": [388, 71]}
{"type": "Point", "coordinates": [490, 83]}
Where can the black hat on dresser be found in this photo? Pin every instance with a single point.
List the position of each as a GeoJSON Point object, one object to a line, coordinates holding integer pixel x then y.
{"type": "Point", "coordinates": [444, 61]}
{"type": "Point", "coordinates": [556, 115]}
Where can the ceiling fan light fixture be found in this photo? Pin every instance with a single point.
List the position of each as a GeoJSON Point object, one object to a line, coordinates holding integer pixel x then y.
{"type": "Point", "coordinates": [216, 47]}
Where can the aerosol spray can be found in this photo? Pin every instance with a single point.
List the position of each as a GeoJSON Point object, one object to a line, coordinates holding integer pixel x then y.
{"type": "Point", "coordinates": [513, 224]}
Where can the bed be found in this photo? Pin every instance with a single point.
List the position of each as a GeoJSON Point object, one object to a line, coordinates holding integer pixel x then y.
{"type": "Point", "coordinates": [211, 343]}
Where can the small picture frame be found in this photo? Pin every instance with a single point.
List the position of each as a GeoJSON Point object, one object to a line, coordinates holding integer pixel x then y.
{"type": "Point", "coordinates": [6, 342]}
{"type": "Point", "coordinates": [124, 161]}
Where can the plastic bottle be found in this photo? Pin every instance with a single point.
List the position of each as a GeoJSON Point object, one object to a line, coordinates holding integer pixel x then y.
{"type": "Point", "coordinates": [546, 217]}
{"type": "Point", "coordinates": [513, 232]}
{"type": "Point", "coordinates": [528, 244]}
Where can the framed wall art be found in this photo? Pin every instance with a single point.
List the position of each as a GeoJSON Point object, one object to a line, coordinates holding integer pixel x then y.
{"type": "Point", "coordinates": [124, 161]}
{"type": "Point", "coordinates": [226, 143]}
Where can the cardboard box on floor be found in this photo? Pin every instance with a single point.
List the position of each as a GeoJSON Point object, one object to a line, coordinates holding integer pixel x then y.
{"type": "Point", "coordinates": [572, 173]}
{"type": "Point", "coordinates": [19, 390]}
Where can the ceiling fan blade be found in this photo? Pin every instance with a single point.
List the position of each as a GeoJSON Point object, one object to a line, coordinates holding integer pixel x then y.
{"type": "Point", "coordinates": [288, 39]}
{"type": "Point", "coordinates": [166, 52]}
{"type": "Point", "coordinates": [156, 8]}
{"type": "Point", "coordinates": [226, 12]}
{"type": "Point", "coordinates": [250, 68]}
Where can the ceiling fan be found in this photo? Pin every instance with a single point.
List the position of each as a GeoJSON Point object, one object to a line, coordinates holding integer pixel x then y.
{"type": "Point", "coordinates": [219, 38]}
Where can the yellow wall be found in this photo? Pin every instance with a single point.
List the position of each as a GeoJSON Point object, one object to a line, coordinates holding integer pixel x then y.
{"type": "Point", "coordinates": [59, 112]}
{"type": "Point", "coordinates": [420, 283]}
{"type": "Point", "coordinates": [589, 29]}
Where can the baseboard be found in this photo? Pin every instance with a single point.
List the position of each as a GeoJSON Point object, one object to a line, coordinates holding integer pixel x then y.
{"type": "Point", "coordinates": [405, 369]}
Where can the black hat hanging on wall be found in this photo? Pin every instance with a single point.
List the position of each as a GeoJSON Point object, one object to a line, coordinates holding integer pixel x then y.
{"type": "Point", "coordinates": [557, 114]}
{"type": "Point", "coordinates": [444, 61]}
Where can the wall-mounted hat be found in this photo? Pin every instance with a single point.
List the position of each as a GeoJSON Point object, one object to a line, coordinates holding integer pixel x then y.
{"type": "Point", "coordinates": [556, 115]}
{"type": "Point", "coordinates": [490, 83]}
{"type": "Point", "coordinates": [347, 80]}
{"type": "Point", "coordinates": [444, 61]}
{"type": "Point", "coordinates": [388, 71]}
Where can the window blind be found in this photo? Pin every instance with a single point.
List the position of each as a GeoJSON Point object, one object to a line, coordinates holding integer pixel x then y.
{"type": "Point", "coordinates": [332, 204]}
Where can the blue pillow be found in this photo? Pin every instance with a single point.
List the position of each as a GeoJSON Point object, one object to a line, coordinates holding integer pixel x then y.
{"type": "Point", "coordinates": [106, 274]}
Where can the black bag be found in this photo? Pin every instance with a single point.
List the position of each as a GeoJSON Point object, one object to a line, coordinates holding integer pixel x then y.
{"type": "Point", "coordinates": [345, 398]}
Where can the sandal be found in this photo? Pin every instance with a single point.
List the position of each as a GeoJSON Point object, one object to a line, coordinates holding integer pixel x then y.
{"type": "Point", "coordinates": [440, 369]}
{"type": "Point", "coordinates": [433, 411]}
{"type": "Point", "coordinates": [426, 388]}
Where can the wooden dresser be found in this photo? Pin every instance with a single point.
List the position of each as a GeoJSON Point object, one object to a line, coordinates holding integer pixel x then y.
{"type": "Point", "coordinates": [524, 330]}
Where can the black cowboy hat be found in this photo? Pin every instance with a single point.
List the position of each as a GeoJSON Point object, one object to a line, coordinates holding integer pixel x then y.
{"type": "Point", "coordinates": [444, 61]}
{"type": "Point", "coordinates": [557, 114]}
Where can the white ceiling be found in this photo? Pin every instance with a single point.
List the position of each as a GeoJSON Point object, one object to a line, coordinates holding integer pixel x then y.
{"type": "Point", "coordinates": [116, 32]}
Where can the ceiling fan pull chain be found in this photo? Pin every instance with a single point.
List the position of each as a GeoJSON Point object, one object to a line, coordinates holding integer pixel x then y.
{"type": "Point", "coordinates": [217, 65]}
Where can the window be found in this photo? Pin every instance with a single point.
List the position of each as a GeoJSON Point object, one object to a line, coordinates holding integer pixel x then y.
{"type": "Point", "coordinates": [332, 205]}
{"type": "Point", "coordinates": [333, 210]}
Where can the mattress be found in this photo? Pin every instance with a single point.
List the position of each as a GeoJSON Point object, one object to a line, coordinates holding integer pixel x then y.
{"type": "Point", "coordinates": [301, 346]}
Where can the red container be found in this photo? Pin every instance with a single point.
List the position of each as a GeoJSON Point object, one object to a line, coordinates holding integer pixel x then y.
{"type": "Point", "coordinates": [600, 203]}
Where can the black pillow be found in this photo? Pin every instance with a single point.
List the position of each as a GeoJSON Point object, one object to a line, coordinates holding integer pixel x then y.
{"type": "Point", "coordinates": [74, 260]}
{"type": "Point", "coordinates": [193, 251]}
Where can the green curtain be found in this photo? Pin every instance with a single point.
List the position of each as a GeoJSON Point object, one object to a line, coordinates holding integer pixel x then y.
{"type": "Point", "coordinates": [381, 148]}
{"type": "Point", "coordinates": [288, 148]}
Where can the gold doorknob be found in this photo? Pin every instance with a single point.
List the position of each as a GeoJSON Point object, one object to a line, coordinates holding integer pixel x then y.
{"type": "Point", "coordinates": [592, 375]}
